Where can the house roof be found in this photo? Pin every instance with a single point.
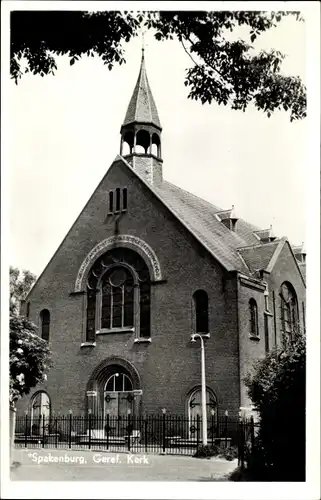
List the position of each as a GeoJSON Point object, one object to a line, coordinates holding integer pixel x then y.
{"type": "Point", "coordinates": [142, 107]}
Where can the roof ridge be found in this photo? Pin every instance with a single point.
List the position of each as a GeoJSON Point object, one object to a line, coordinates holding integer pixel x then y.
{"type": "Point", "coordinates": [260, 245]}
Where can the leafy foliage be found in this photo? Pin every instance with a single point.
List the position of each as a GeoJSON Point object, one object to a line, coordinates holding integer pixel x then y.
{"type": "Point", "coordinates": [206, 451]}
{"type": "Point", "coordinates": [29, 357]}
{"type": "Point", "coordinates": [228, 72]}
{"type": "Point", "coordinates": [20, 285]}
{"type": "Point", "coordinates": [277, 389]}
{"type": "Point", "coordinates": [29, 354]}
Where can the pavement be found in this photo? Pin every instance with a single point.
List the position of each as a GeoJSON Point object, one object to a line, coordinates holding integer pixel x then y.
{"type": "Point", "coordinates": [68, 465]}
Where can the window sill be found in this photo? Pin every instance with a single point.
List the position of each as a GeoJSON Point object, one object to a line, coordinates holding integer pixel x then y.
{"type": "Point", "coordinates": [88, 344]}
{"type": "Point", "coordinates": [142, 341]}
{"type": "Point", "coordinates": [107, 331]}
{"type": "Point", "coordinates": [254, 337]}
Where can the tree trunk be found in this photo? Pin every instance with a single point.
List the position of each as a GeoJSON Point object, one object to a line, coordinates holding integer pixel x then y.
{"type": "Point", "coordinates": [12, 423]}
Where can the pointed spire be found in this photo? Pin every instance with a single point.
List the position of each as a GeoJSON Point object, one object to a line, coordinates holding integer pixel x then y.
{"type": "Point", "coordinates": [142, 107]}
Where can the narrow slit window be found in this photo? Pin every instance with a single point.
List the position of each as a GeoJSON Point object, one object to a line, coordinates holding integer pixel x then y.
{"type": "Point", "coordinates": [45, 324]}
{"type": "Point", "coordinates": [117, 200]}
{"type": "Point", "coordinates": [124, 199]}
{"type": "Point", "coordinates": [111, 201]}
{"type": "Point", "coordinates": [201, 311]}
{"type": "Point", "coordinates": [254, 328]}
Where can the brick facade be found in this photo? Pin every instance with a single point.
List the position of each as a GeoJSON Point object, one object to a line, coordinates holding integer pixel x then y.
{"type": "Point", "coordinates": [167, 368]}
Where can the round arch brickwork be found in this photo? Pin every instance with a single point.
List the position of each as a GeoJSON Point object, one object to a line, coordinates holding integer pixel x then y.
{"type": "Point", "coordinates": [124, 240]}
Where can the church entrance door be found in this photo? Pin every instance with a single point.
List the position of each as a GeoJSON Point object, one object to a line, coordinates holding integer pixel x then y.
{"type": "Point", "coordinates": [118, 402]}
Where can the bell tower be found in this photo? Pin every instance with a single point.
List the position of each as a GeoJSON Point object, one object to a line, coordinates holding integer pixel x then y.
{"type": "Point", "coordinates": [141, 131]}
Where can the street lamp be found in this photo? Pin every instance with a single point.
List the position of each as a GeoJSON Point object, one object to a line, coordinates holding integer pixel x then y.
{"type": "Point", "coordinates": [204, 413]}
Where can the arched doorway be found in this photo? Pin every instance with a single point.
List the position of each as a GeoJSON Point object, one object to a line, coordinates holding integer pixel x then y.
{"type": "Point", "coordinates": [119, 395]}
{"type": "Point", "coordinates": [194, 404]}
{"type": "Point", "coordinates": [114, 388]}
{"type": "Point", "coordinates": [40, 412]}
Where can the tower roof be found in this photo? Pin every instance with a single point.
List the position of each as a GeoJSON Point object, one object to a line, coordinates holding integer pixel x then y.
{"type": "Point", "coordinates": [142, 107]}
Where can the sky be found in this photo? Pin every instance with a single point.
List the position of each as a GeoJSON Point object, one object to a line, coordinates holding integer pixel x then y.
{"type": "Point", "coordinates": [64, 134]}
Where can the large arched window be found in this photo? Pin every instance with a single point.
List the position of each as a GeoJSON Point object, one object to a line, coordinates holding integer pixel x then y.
{"type": "Point", "coordinates": [200, 300]}
{"type": "Point", "coordinates": [254, 327]}
{"type": "Point", "coordinates": [45, 324]}
{"type": "Point", "coordinates": [289, 311]}
{"type": "Point", "coordinates": [118, 295]}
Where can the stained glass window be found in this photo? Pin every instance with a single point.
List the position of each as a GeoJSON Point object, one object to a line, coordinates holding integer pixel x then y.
{"type": "Point", "coordinates": [116, 275]}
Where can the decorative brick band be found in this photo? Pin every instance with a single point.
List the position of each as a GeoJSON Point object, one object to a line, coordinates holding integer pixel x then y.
{"type": "Point", "coordinates": [125, 240]}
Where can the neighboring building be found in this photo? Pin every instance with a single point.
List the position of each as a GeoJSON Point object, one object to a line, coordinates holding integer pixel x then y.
{"type": "Point", "coordinates": [145, 265]}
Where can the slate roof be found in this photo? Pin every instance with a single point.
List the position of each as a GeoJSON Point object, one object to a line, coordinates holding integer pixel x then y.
{"type": "Point", "coordinates": [198, 216]}
{"type": "Point", "coordinates": [142, 107]}
{"type": "Point", "coordinates": [237, 250]}
{"type": "Point", "coordinates": [258, 257]}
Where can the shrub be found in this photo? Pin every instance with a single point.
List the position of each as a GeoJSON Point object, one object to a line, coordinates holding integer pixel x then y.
{"type": "Point", "coordinates": [277, 389]}
{"type": "Point", "coordinates": [206, 451]}
{"type": "Point", "coordinates": [216, 451]}
{"type": "Point", "coordinates": [228, 453]}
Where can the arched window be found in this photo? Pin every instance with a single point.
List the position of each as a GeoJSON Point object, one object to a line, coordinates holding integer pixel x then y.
{"type": "Point", "coordinates": [118, 294]}
{"type": "Point", "coordinates": [119, 382]}
{"type": "Point", "coordinates": [155, 145]}
{"type": "Point", "coordinates": [142, 142]}
{"type": "Point", "coordinates": [254, 327]}
{"type": "Point", "coordinates": [127, 143]}
{"type": "Point", "coordinates": [289, 311]}
{"type": "Point", "coordinates": [40, 412]}
{"type": "Point", "coordinates": [200, 300]}
{"type": "Point", "coordinates": [194, 403]}
{"type": "Point", "coordinates": [45, 324]}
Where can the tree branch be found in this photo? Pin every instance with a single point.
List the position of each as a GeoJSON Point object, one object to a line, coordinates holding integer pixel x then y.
{"type": "Point", "coordinates": [207, 63]}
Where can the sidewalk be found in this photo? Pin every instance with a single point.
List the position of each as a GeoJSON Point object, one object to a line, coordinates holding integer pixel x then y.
{"type": "Point", "coordinates": [66, 465]}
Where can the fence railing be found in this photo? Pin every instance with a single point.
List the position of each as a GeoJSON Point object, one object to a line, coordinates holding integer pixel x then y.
{"type": "Point", "coordinates": [151, 433]}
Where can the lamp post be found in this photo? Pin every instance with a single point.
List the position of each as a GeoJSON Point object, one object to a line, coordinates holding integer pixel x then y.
{"type": "Point", "coordinates": [203, 382]}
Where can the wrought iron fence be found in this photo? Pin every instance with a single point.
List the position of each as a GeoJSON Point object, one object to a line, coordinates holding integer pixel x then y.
{"type": "Point", "coordinates": [247, 434]}
{"type": "Point", "coordinates": [152, 433]}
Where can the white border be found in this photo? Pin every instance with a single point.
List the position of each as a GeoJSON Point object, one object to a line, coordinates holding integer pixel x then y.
{"type": "Point", "coordinates": [293, 491]}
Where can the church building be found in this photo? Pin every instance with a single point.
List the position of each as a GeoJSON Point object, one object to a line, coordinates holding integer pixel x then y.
{"type": "Point", "coordinates": [144, 267]}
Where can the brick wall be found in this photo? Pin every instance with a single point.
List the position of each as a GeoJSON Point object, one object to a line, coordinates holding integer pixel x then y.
{"type": "Point", "coordinates": [169, 367]}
